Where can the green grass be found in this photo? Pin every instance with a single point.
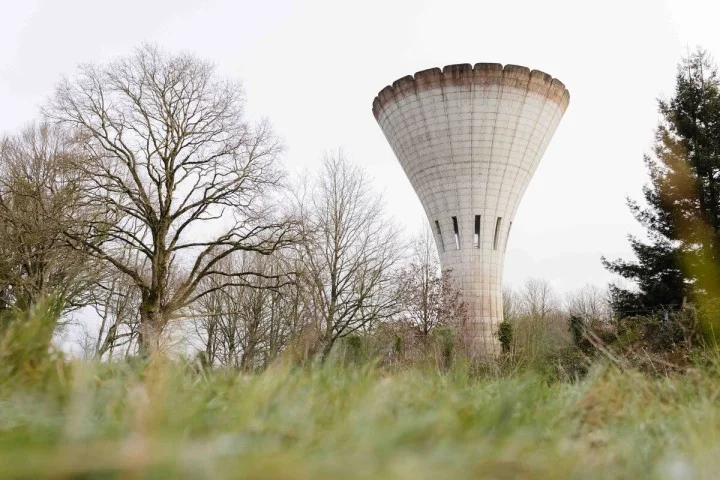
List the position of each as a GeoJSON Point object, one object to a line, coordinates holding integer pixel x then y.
{"type": "Point", "coordinates": [165, 419]}
{"type": "Point", "coordinates": [160, 421]}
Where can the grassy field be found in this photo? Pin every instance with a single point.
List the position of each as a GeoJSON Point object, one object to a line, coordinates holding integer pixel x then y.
{"type": "Point", "coordinates": [168, 420]}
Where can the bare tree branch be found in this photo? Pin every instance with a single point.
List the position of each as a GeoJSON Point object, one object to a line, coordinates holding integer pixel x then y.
{"type": "Point", "coordinates": [173, 172]}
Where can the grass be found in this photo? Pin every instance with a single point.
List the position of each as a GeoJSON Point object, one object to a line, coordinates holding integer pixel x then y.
{"type": "Point", "coordinates": [161, 421]}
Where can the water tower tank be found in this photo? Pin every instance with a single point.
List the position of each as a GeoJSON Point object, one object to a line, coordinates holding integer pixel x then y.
{"type": "Point", "coordinates": [469, 140]}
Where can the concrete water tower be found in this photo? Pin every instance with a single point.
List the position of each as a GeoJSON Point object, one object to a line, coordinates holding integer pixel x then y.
{"type": "Point", "coordinates": [469, 139]}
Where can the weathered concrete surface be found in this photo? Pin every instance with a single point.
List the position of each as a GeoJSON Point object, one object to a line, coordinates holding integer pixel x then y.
{"type": "Point", "coordinates": [469, 139]}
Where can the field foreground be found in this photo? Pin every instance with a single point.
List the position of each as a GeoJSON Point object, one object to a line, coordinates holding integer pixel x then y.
{"type": "Point", "coordinates": [130, 421]}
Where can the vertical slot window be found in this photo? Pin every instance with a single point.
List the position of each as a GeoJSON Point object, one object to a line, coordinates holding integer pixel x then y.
{"type": "Point", "coordinates": [457, 233]}
{"type": "Point", "coordinates": [477, 231]}
{"type": "Point", "coordinates": [497, 233]}
{"type": "Point", "coordinates": [439, 234]}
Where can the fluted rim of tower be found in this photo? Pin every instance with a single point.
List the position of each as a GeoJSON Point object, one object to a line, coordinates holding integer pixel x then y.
{"type": "Point", "coordinates": [466, 74]}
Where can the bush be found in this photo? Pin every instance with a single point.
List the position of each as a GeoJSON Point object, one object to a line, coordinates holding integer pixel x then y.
{"type": "Point", "coordinates": [444, 340]}
{"type": "Point", "coordinates": [576, 325]}
{"type": "Point", "coordinates": [537, 339]}
{"type": "Point", "coordinates": [663, 332]}
{"type": "Point", "coordinates": [659, 343]}
{"type": "Point", "coordinates": [567, 364]}
{"type": "Point", "coordinates": [505, 335]}
{"type": "Point", "coordinates": [26, 350]}
{"type": "Point", "coordinates": [354, 350]}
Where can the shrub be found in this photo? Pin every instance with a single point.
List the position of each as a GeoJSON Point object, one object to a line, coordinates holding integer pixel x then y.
{"type": "Point", "coordinates": [576, 325]}
{"type": "Point", "coordinates": [26, 350]}
{"type": "Point", "coordinates": [505, 335]}
{"type": "Point", "coordinates": [354, 350]}
{"type": "Point", "coordinates": [444, 343]}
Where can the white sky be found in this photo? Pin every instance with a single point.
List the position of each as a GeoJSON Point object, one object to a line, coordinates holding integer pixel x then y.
{"type": "Point", "coordinates": [314, 67]}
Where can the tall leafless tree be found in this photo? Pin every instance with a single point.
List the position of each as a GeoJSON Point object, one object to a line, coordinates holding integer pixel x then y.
{"type": "Point", "coordinates": [173, 171]}
{"type": "Point", "coordinates": [39, 192]}
{"type": "Point", "coordinates": [351, 250]}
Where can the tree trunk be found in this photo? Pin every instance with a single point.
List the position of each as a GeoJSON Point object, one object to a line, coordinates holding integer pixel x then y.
{"type": "Point", "coordinates": [327, 348]}
{"type": "Point", "coordinates": [151, 326]}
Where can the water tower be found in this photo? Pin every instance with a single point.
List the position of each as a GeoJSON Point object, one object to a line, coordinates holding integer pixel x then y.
{"type": "Point", "coordinates": [469, 139]}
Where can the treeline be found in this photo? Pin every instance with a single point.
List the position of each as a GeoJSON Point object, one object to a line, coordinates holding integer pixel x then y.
{"type": "Point", "coordinates": [143, 194]}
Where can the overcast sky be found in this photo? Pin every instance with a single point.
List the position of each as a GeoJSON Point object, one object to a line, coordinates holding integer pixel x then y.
{"type": "Point", "coordinates": [314, 67]}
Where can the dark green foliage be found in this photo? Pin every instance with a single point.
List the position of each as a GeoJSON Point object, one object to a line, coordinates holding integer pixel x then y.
{"type": "Point", "coordinates": [354, 349]}
{"type": "Point", "coordinates": [397, 345]}
{"type": "Point", "coordinates": [682, 216]}
{"type": "Point", "coordinates": [657, 273]}
{"type": "Point", "coordinates": [505, 335]}
{"type": "Point", "coordinates": [577, 328]}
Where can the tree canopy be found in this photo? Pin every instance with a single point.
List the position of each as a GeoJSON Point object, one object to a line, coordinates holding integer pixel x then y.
{"type": "Point", "coordinates": [681, 215]}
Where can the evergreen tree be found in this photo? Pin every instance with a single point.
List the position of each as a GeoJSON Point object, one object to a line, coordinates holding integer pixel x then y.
{"type": "Point", "coordinates": [682, 211]}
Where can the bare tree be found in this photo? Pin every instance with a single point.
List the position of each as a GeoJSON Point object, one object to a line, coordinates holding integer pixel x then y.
{"type": "Point", "coordinates": [539, 324]}
{"type": "Point", "coordinates": [538, 299]}
{"type": "Point", "coordinates": [511, 304]}
{"type": "Point", "coordinates": [116, 301]}
{"type": "Point", "coordinates": [38, 193]}
{"type": "Point", "coordinates": [248, 326]}
{"type": "Point", "coordinates": [429, 296]}
{"type": "Point", "coordinates": [590, 303]}
{"type": "Point", "coordinates": [351, 251]}
{"type": "Point", "coordinates": [174, 172]}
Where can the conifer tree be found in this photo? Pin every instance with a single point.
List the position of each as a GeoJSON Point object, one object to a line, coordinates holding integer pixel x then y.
{"type": "Point", "coordinates": [680, 256]}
